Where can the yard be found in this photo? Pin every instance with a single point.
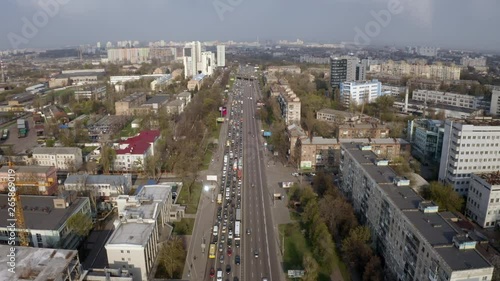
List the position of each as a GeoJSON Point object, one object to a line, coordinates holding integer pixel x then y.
{"type": "Point", "coordinates": [191, 202]}
{"type": "Point", "coordinates": [128, 131]}
{"type": "Point", "coordinates": [183, 227]}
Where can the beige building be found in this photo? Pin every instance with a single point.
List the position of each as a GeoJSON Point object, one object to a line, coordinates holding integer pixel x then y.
{"type": "Point", "coordinates": [124, 106]}
{"type": "Point", "coordinates": [175, 107]}
{"type": "Point", "coordinates": [63, 158]}
{"type": "Point", "coordinates": [336, 116]}
{"type": "Point", "coordinates": [364, 128]}
{"type": "Point", "coordinates": [437, 71]}
{"type": "Point", "coordinates": [293, 69]}
{"type": "Point", "coordinates": [185, 97]}
{"type": "Point", "coordinates": [290, 106]}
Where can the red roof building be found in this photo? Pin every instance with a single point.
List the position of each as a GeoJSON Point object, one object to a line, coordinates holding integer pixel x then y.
{"type": "Point", "coordinates": [132, 153]}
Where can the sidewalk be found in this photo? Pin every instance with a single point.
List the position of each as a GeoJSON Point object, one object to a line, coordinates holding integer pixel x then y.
{"type": "Point", "coordinates": [199, 242]}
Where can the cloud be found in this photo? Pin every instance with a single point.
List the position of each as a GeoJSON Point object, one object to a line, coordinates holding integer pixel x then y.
{"type": "Point", "coordinates": [421, 12]}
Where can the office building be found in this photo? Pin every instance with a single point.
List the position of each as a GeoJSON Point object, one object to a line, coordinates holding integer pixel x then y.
{"type": "Point", "coordinates": [132, 153]}
{"type": "Point", "coordinates": [483, 200]}
{"type": "Point", "coordinates": [63, 158]}
{"type": "Point", "coordinates": [221, 55]}
{"type": "Point", "coordinates": [469, 146]}
{"type": "Point", "coordinates": [40, 264]}
{"type": "Point", "coordinates": [343, 69]}
{"type": "Point", "coordinates": [357, 93]}
{"type": "Point", "coordinates": [46, 219]}
{"type": "Point", "coordinates": [426, 137]}
{"type": "Point", "coordinates": [33, 180]}
{"type": "Point", "coordinates": [134, 242]}
{"type": "Point", "coordinates": [416, 241]}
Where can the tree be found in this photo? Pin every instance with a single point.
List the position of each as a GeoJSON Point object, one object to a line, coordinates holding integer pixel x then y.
{"type": "Point", "coordinates": [355, 250]}
{"type": "Point", "coordinates": [311, 268]}
{"type": "Point", "coordinates": [373, 270]}
{"type": "Point", "coordinates": [108, 155]}
{"type": "Point", "coordinates": [171, 257]}
{"type": "Point", "coordinates": [444, 196]}
{"type": "Point", "coordinates": [80, 224]}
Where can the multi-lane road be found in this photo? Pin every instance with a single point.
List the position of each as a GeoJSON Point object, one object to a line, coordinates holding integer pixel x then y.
{"type": "Point", "coordinates": [251, 255]}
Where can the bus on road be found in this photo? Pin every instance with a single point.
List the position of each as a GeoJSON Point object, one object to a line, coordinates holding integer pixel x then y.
{"type": "Point", "coordinates": [219, 198]}
{"type": "Point", "coordinates": [211, 253]}
{"type": "Point", "coordinates": [237, 230]}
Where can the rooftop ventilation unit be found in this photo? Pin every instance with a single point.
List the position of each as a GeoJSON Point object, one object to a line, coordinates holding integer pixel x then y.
{"type": "Point", "coordinates": [382, 162]}
{"type": "Point", "coordinates": [428, 207]}
{"type": "Point", "coordinates": [464, 242]}
{"type": "Point", "coordinates": [401, 181]}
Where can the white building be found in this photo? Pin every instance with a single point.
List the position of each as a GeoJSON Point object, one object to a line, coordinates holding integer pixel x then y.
{"type": "Point", "coordinates": [132, 153]}
{"type": "Point", "coordinates": [495, 102]}
{"type": "Point", "coordinates": [446, 98]}
{"type": "Point", "coordinates": [192, 59]}
{"type": "Point", "coordinates": [221, 55]}
{"type": "Point", "coordinates": [469, 146]}
{"type": "Point", "coordinates": [290, 106]}
{"type": "Point", "coordinates": [473, 62]}
{"type": "Point", "coordinates": [359, 92]}
{"type": "Point", "coordinates": [207, 63]}
{"type": "Point", "coordinates": [46, 219]}
{"type": "Point", "coordinates": [104, 185]}
{"type": "Point", "coordinates": [40, 264]}
{"type": "Point", "coordinates": [134, 242]}
{"type": "Point", "coordinates": [393, 90]}
{"type": "Point", "coordinates": [416, 241]}
{"type": "Point", "coordinates": [483, 200]}
{"type": "Point", "coordinates": [63, 158]}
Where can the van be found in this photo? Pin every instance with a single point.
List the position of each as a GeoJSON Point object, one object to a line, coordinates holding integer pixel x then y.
{"type": "Point", "coordinates": [216, 230]}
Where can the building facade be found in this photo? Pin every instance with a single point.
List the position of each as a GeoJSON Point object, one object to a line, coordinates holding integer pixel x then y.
{"type": "Point", "coordinates": [123, 107]}
{"type": "Point", "coordinates": [445, 98]}
{"type": "Point", "coordinates": [90, 93]}
{"type": "Point", "coordinates": [483, 200]}
{"type": "Point", "coordinates": [104, 186]}
{"type": "Point", "coordinates": [134, 242]}
{"type": "Point", "coordinates": [63, 158]}
{"type": "Point", "coordinates": [221, 55]}
{"type": "Point", "coordinates": [495, 102]}
{"type": "Point", "coordinates": [132, 153]}
{"type": "Point", "coordinates": [343, 69]}
{"type": "Point", "coordinates": [416, 241]}
{"type": "Point", "coordinates": [469, 146]}
{"type": "Point", "coordinates": [426, 137]}
{"type": "Point", "coordinates": [290, 106]}
{"type": "Point", "coordinates": [32, 180]}
{"type": "Point", "coordinates": [357, 93]}
{"type": "Point", "coordinates": [128, 55]}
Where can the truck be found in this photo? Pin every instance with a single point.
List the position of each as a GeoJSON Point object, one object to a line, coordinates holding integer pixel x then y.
{"type": "Point", "coordinates": [238, 214]}
{"type": "Point", "coordinates": [22, 128]}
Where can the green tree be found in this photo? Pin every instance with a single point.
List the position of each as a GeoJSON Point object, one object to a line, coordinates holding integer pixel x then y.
{"type": "Point", "coordinates": [311, 268]}
{"type": "Point", "coordinates": [444, 196]}
{"type": "Point", "coordinates": [171, 258]}
{"type": "Point", "coordinates": [80, 224]}
{"type": "Point", "coordinates": [355, 250]}
{"type": "Point", "coordinates": [108, 156]}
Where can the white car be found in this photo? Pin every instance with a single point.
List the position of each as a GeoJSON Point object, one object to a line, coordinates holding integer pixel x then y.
{"type": "Point", "coordinates": [230, 234]}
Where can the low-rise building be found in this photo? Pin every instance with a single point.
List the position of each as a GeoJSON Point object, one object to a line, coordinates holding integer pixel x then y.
{"type": "Point", "coordinates": [185, 97]}
{"type": "Point", "coordinates": [196, 83]}
{"type": "Point", "coordinates": [293, 69]}
{"type": "Point", "coordinates": [90, 93]}
{"type": "Point", "coordinates": [426, 137]}
{"type": "Point", "coordinates": [446, 98]}
{"type": "Point", "coordinates": [483, 200]}
{"type": "Point", "coordinates": [416, 241]}
{"type": "Point", "coordinates": [20, 98]}
{"type": "Point", "coordinates": [132, 153]}
{"type": "Point", "coordinates": [46, 219]}
{"type": "Point", "coordinates": [124, 106]}
{"type": "Point", "coordinates": [134, 242]}
{"type": "Point", "coordinates": [175, 107]}
{"type": "Point", "coordinates": [359, 92]}
{"type": "Point", "coordinates": [154, 104]}
{"type": "Point", "coordinates": [336, 116]}
{"type": "Point", "coordinates": [40, 264]}
{"type": "Point", "coordinates": [105, 186]}
{"type": "Point", "coordinates": [365, 127]}
{"type": "Point", "coordinates": [34, 180]}
{"type": "Point", "coordinates": [63, 158]}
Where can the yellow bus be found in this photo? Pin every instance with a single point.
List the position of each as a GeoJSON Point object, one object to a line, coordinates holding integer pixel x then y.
{"type": "Point", "coordinates": [219, 198]}
{"type": "Point", "coordinates": [211, 252]}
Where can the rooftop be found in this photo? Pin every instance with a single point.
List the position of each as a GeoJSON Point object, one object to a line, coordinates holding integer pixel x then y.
{"type": "Point", "coordinates": [125, 179]}
{"type": "Point", "coordinates": [325, 141]}
{"type": "Point", "coordinates": [491, 178]}
{"type": "Point", "coordinates": [175, 103]}
{"type": "Point", "coordinates": [22, 97]}
{"type": "Point", "coordinates": [37, 264]}
{"type": "Point", "coordinates": [57, 150]}
{"type": "Point", "coordinates": [184, 94]}
{"type": "Point", "coordinates": [158, 99]}
{"type": "Point", "coordinates": [39, 211]}
{"type": "Point", "coordinates": [199, 77]}
{"type": "Point", "coordinates": [336, 112]}
{"type": "Point", "coordinates": [138, 144]}
{"type": "Point", "coordinates": [133, 97]}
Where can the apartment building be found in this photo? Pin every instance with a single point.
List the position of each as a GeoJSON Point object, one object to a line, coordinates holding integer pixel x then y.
{"type": "Point", "coordinates": [416, 241]}
{"type": "Point", "coordinates": [46, 219]}
{"type": "Point", "coordinates": [175, 107]}
{"type": "Point", "coordinates": [420, 69]}
{"type": "Point", "coordinates": [321, 153]}
{"type": "Point", "coordinates": [483, 200]}
{"type": "Point", "coordinates": [290, 106]}
{"type": "Point", "coordinates": [134, 242]}
{"type": "Point", "coordinates": [63, 158]}
{"type": "Point", "coordinates": [124, 106]}
{"type": "Point", "coordinates": [426, 137]}
{"type": "Point", "coordinates": [221, 55]}
{"type": "Point", "coordinates": [132, 153]}
{"type": "Point", "coordinates": [34, 180]}
{"type": "Point", "coordinates": [41, 264]}
{"type": "Point", "coordinates": [453, 99]}
{"type": "Point", "coordinates": [128, 55]}
{"type": "Point", "coordinates": [105, 186]}
{"type": "Point", "coordinates": [473, 62]}
{"type": "Point", "coordinates": [154, 104]}
{"type": "Point", "coordinates": [469, 146]}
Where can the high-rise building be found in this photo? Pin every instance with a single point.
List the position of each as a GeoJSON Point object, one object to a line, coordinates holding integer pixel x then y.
{"type": "Point", "coordinates": [495, 102]}
{"type": "Point", "coordinates": [221, 55]}
{"type": "Point", "coordinates": [207, 63]}
{"type": "Point", "coordinates": [469, 146]}
{"type": "Point", "coordinates": [344, 69]}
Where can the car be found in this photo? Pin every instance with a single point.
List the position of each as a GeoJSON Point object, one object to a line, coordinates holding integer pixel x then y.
{"type": "Point", "coordinates": [219, 274]}
{"type": "Point", "coordinates": [264, 279]}
{"type": "Point", "coordinates": [256, 254]}
{"type": "Point", "coordinates": [229, 252]}
{"type": "Point", "coordinates": [221, 247]}
{"type": "Point", "coordinates": [237, 260]}
{"type": "Point", "coordinates": [237, 243]}
{"type": "Point", "coordinates": [295, 174]}
{"type": "Point", "coordinates": [228, 268]}
{"type": "Point", "coordinates": [221, 259]}
{"type": "Point", "coordinates": [249, 231]}
{"type": "Point", "coordinates": [230, 234]}
{"type": "Point", "coordinates": [236, 279]}
{"type": "Point", "coordinates": [212, 272]}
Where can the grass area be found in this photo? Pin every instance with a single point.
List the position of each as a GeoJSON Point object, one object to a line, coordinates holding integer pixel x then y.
{"type": "Point", "coordinates": [191, 202]}
{"type": "Point", "coordinates": [128, 131]}
{"type": "Point", "coordinates": [207, 158]}
{"type": "Point", "coordinates": [296, 246]}
{"type": "Point", "coordinates": [183, 227]}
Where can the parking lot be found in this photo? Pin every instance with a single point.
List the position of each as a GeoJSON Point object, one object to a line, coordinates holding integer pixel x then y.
{"type": "Point", "coordinates": [21, 145]}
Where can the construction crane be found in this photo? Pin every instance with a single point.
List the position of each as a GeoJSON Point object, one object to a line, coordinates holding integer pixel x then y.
{"type": "Point", "coordinates": [22, 234]}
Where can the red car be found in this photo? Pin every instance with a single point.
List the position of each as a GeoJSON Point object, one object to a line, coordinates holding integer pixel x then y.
{"type": "Point", "coordinates": [229, 251]}
{"type": "Point", "coordinates": [212, 272]}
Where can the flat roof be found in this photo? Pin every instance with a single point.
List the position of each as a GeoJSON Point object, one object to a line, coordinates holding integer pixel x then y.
{"type": "Point", "coordinates": [337, 112]}
{"type": "Point", "coordinates": [131, 233]}
{"type": "Point", "coordinates": [39, 264]}
{"type": "Point", "coordinates": [157, 99]}
{"type": "Point", "coordinates": [39, 211]}
{"type": "Point", "coordinates": [125, 179]}
{"type": "Point", "coordinates": [56, 150]}
{"type": "Point", "coordinates": [462, 260]}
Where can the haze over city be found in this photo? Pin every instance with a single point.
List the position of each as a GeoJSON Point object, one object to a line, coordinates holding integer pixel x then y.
{"type": "Point", "coordinates": [451, 24]}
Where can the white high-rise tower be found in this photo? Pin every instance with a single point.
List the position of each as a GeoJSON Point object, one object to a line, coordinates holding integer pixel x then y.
{"type": "Point", "coordinates": [221, 55]}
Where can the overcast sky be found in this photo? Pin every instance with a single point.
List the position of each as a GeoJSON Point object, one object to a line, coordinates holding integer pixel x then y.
{"type": "Point", "coordinates": [470, 24]}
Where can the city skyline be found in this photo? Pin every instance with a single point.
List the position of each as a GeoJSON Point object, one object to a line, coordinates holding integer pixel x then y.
{"type": "Point", "coordinates": [444, 24]}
